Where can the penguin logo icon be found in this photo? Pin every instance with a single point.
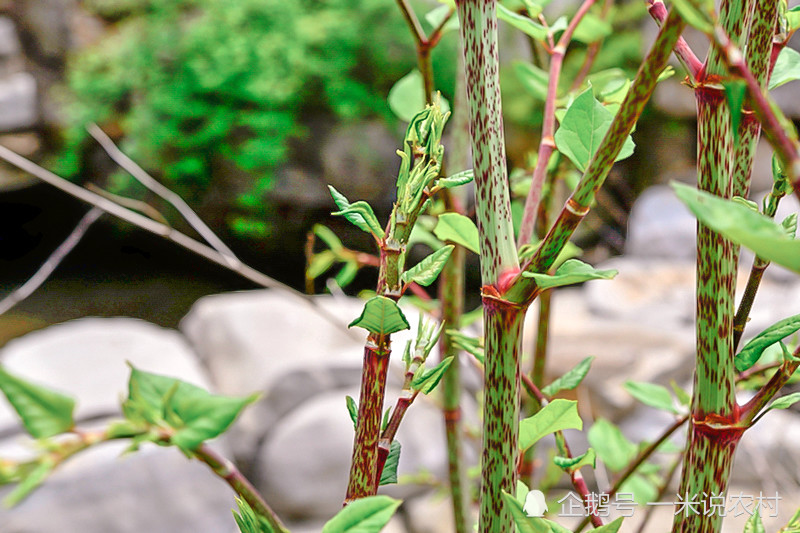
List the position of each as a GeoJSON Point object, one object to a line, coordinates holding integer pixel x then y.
{"type": "Point", "coordinates": [535, 504]}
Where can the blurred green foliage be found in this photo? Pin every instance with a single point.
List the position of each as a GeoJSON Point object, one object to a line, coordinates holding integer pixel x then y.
{"type": "Point", "coordinates": [191, 84]}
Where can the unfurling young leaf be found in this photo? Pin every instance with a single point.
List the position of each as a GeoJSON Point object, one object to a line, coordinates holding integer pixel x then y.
{"type": "Point", "coordinates": [583, 128]}
{"type": "Point", "coordinates": [248, 521]}
{"type": "Point", "coordinates": [381, 316]}
{"type": "Point", "coordinates": [611, 446]}
{"type": "Point", "coordinates": [742, 226]}
{"type": "Point", "coordinates": [365, 212]}
{"type": "Point", "coordinates": [389, 474]}
{"type": "Point", "coordinates": [428, 380]}
{"type": "Point", "coordinates": [522, 23]}
{"type": "Point", "coordinates": [365, 515]}
{"type": "Point", "coordinates": [571, 379]}
{"type": "Point", "coordinates": [43, 412]}
{"type": "Point", "coordinates": [752, 351]}
{"type": "Point", "coordinates": [457, 179]}
{"type": "Point", "coordinates": [30, 481]}
{"type": "Point", "coordinates": [407, 98]}
{"type": "Point", "coordinates": [571, 272]}
{"type": "Point", "coordinates": [651, 394]}
{"type": "Point", "coordinates": [326, 235]}
{"type": "Point", "coordinates": [573, 464]}
{"type": "Point", "coordinates": [555, 416]}
{"type": "Point", "coordinates": [785, 402]}
{"type": "Point", "coordinates": [458, 229]}
{"type": "Point", "coordinates": [426, 271]}
{"type": "Point", "coordinates": [754, 523]}
{"type": "Point", "coordinates": [352, 409]}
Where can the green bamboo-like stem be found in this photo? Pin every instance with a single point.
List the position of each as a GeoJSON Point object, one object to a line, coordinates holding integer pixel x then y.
{"type": "Point", "coordinates": [714, 431]}
{"type": "Point", "coordinates": [451, 294]}
{"type": "Point", "coordinates": [524, 289]}
{"type": "Point", "coordinates": [547, 144]}
{"type": "Point", "coordinates": [759, 50]}
{"type": "Point", "coordinates": [493, 204]}
{"type": "Point", "coordinates": [503, 334]}
{"type": "Point", "coordinates": [364, 479]}
{"type": "Point", "coordinates": [502, 322]}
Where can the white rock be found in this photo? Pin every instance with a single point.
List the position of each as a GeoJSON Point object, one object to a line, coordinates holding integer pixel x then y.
{"type": "Point", "coordinates": [88, 358]}
{"type": "Point", "coordinates": [9, 40]}
{"type": "Point", "coordinates": [660, 226]}
{"type": "Point", "coordinates": [304, 463]}
{"type": "Point", "coordinates": [156, 489]}
{"type": "Point", "coordinates": [18, 101]}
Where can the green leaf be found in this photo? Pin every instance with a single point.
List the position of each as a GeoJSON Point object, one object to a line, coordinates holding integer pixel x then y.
{"type": "Point", "coordinates": [573, 464]}
{"type": "Point", "coordinates": [571, 379]}
{"type": "Point", "coordinates": [458, 229]}
{"type": "Point", "coordinates": [522, 23]}
{"type": "Point", "coordinates": [696, 14]}
{"type": "Point", "coordinates": [651, 394]}
{"type": "Point", "coordinates": [352, 408]}
{"type": "Point", "coordinates": [752, 351]}
{"type": "Point", "coordinates": [31, 480]}
{"type": "Point", "coordinates": [427, 381]}
{"type": "Point", "coordinates": [610, 444]}
{"type": "Point", "coordinates": [347, 273]}
{"type": "Point", "coordinates": [785, 401]}
{"type": "Point", "coordinates": [381, 316]}
{"type": "Point", "coordinates": [365, 212]}
{"type": "Point", "coordinates": [426, 271]}
{"type": "Point", "coordinates": [754, 523]}
{"type": "Point", "coordinates": [787, 68]}
{"type": "Point", "coordinates": [532, 78]}
{"type": "Point", "coordinates": [591, 29]}
{"type": "Point", "coordinates": [366, 515]}
{"type": "Point", "coordinates": [555, 416]}
{"type": "Point", "coordinates": [195, 414]}
{"type": "Point", "coordinates": [326, 235]}
{"type": "Point", "coordinates": [530, 524]}
{"type": "Point", "coordinates": [471, 345]}
{"type": "Point", "coordinates": [741, 225]}
{"type": "Point", "coordinates": [611, 527]}
{"type": "Point", "coordinates": [407, 97]}
{"type": "Point", "coordinates": [389, 474]}
{"type": "Point", "coordinates": [792, 18]}
{"type": "Point", "coordinates": [794, 524]}
{"type": "Point", "coordinates": [735, 91]}
{"type": "Point", "coordinates": [571, 272]}
{"type": "Point", "coordinates": [248, 521]}
{"type": "Point", "coordinates": [342, 203]}
{"type": "Point", "coordinates": [457, 179]}
{"type": "Point", "coordinates": [683, 397]}
{"type": "Point", "coordinates": [583, 128]}
{"type": "Point", "coordinates": [43, 412]}
{"type": "Point", "coordinates": [320, 263]}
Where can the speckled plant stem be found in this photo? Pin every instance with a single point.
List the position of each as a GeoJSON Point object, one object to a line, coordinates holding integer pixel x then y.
{"type": "Point", "coordinates": [715, 430]}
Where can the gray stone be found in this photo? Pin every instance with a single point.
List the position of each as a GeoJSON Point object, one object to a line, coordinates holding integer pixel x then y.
{"type": "Point", "coordinates": [315, 443]}
{"type": "Point", "coordinates": [87, 359]}
{"type": "Point", "coordinates": [9, 40]}
{"type": "Point", "coordinates": [660, 226]}
{"type": "Point", "coordinates": [18, 102]}
{"type": "Point", "coordinates": [360, 161]}
{"type": "Point", "coordinates": [48, 21]}
{"type": "Point", "coordinates": [155, 489]}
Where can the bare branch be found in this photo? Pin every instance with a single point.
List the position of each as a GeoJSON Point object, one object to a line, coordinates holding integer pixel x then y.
{"type": "Point", "coordinates": [151, 183]}
{"type": "Point", "coordinates": [162, 230]}
{"type": "Point", "coordinates": [52, 262]}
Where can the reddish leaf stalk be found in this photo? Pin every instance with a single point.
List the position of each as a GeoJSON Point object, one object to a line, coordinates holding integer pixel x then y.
{"type": "Point", "coordinates": [576, 478]}
{"type": "Point", "coordinates": [682, 49]}
{"type": "Point", "coordinates": [751, 410]}
{"type": "Point", "coordinates": [547, 143]}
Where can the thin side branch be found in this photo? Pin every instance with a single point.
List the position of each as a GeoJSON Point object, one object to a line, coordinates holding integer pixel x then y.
{"type": "Point", "coordinates": [683, 51]}
{"type": "Point", "coordinates": [52, 262]}
{"type": "Point", "coordinates": [547, 144]}
{"type": "Point", "coordinates": [151, 183]}
{"type": "Point", "coordinates": [159, 229]}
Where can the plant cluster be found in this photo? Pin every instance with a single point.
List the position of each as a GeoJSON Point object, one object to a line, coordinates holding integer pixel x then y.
{"type": "Point", "coordinates": [586, 128]}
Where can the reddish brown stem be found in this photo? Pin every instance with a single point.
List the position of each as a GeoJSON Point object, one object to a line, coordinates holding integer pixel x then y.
{"type": "Point", "coordinates": [684, 52]}
{"type": "Point", "coordinates": [547, 143]}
